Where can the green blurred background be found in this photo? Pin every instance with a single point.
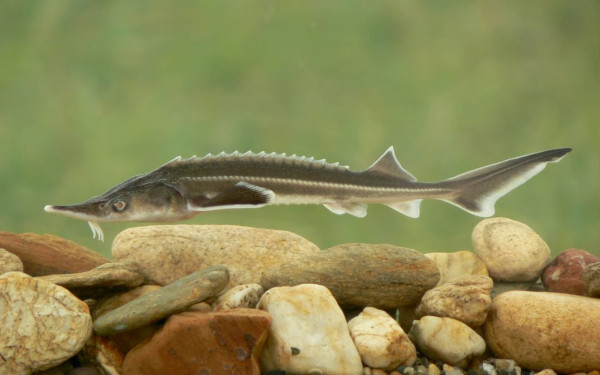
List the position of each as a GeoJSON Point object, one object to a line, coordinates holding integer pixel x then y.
{"type": "Point", "coordinates": [94, 92]}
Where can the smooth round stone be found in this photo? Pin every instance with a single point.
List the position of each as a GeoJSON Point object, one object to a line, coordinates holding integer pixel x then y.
{"type": "Point", "coordinates": [380, 341]}
{"type": "Point", "coordinates": [447, 340]}
{"type": "Point", "coordinates": [42, 324]}
{"type": "Point", "coordinates": [542, 330]}
{"type": "Point", "coordinates": [511, 250]}
{"type": "Point", "coordinates": [458, 264]}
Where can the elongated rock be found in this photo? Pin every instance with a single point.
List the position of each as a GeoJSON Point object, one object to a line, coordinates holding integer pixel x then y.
{"type": "Point", "coordinates": [95, 282]}
{"type": "Point", "coordinates": [171, 299]}
{"type": "Point", "coordinates": [358, 275]}
{"type": "Point", "coordinates": [41, 324]}
{"type": "Point", "coordinates": [166, 253]}
{"type": "Point", "coordinates": [46, 254]}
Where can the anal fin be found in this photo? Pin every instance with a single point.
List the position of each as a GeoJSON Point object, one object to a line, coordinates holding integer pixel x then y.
{"type": "Point", "coordinates": [240, 195]}
{"type": "Point", "coordinates": [354, 209]}
{"type": "Point", "coordinates": [410, 208]}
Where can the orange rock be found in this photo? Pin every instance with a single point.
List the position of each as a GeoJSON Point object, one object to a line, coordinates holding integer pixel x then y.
{"type": "Point", "coordinates": [220, 342]}
{"type": "Point", "coordinates": [46, 254]}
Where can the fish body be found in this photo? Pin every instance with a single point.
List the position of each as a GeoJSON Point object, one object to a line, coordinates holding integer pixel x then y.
{"type": "Point", "coordinates": [183, 188]}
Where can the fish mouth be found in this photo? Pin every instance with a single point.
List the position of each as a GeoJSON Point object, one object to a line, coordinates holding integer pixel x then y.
{"type": "Point", "coordinates": [70, 211]}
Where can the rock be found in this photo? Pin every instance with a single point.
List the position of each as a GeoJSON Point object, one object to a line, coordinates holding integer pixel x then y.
{"type": "Point", "coordinates": [46, 254]}
{"type": "Point", "coordinates": [104, 353]}
{"type": "Point", "coordinates": [447, 340]}
{"type": "Point", "coordinates": [511, 250]}
{"type": "Point", "coordinates": [125, 341]}
{"type": "Point", "coordinates": [100, 280]}
{"type": "Point", "coordinates": [161, 303]}
{"type": "Point", "coordinates": [309, 333]}
{"type": "Point", "coordinates": [503, 287]}
{"type": "Point", "coordinates": [42, 326]}
{"type": "Point", "coordinates": [359, 275]}
{"type": "Point", "coordinates": [166, 253]}
{"type": "Point", "coordinates": [545, 330]}
{"type": "Point", "coordinates": [591, 279]}
{"type": "Point", "coordinates": [223, 342]}
{"type": "Point", "coordinates": [9, 262]}
{"type": "Point", "coordinates": [564, 273]}
{"type": "Point", "coordinates": [458, 264]}
{"type": "Point", "coordinates": [380, 341]}
{"type": "Point", "coordinates": [246, 295]}
{"type": "Point", "coordinates": [546, 372]}
{"type": "Point", "coordinates": [466, 299]}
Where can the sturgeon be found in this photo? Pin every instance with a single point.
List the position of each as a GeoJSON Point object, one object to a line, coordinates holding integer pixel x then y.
{"type": "Point", "coordinates": [183, 188]}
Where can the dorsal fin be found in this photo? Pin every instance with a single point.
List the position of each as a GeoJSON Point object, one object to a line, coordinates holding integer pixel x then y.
{"type": "Point", "coordinates": [388, 165]}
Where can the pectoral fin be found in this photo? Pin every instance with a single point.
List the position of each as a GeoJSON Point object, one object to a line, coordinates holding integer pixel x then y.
{"type": "Point", "coordinates": [352, 208]}
{"type": "Point", "coordinates": [240, 195]}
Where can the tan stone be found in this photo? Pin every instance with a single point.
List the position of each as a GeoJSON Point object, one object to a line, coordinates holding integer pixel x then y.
{"type": "Point", "coordinates": [359, 275]}
{"type": "Point", "coordinates": [458, 264]}
{"type": "Point", "coordinates": [166, 253]}
{"type": "Point", "coordinates": [591, 279]}
{"type": "Point", "coordinates": [510, 250]}
{"type": "Point", "coordinates": [42, 324]}
{"type": "Point", "coordinates": [380, 341]}
{"type": "Point", "coordinates": [9, 262]}
{"type": "Point", "coordinates": [46, 254]}
{"type": "Point", "coordinates": [546, 330]}
{"type": "Point", "coordinates": [447, 340]}
{"type": "Point", "coordinates": [466, 299]}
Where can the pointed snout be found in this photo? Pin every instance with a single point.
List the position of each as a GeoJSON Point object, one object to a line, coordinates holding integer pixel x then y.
{"type": "Point", "coordinates": [81, 211]}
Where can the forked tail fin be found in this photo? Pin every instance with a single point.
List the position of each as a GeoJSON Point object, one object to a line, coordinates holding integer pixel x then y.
{"type": "Point", "coordinates": [478, 190]}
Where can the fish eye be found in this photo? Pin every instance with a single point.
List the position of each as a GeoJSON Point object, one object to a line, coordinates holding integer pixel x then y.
{"type": "Point", "coordinates": [120, 206]}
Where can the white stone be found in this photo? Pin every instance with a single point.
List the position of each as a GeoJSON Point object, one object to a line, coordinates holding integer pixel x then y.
{"type": "Point", "coordinates": [457, 264]}
{"type": "Point", "coordinates": [42, 324]}
{"type": "Point", "coordinates": [447, 340]}
{"type": "Point", "coordinates": [241, 296]}
{"type": "Point", "coordinates": [309, 333]}
{"type": "Point", "coordinates": [511, 250]}
{"type": "Point", "coordinates": [380, 341]}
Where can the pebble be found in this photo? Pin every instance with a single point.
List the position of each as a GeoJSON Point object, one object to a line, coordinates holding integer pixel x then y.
{"type": "Point", "coordinates": [591, 279]}
{"type": "Point", "coordinates": [46, 254]}
{"type": "Point", "coordinates": [545, 330]}
{"type": "Point", "coordinates": [223, 342]}
{"type": "Point", "coordinates": [546, 372]}
{"type": "Point", "coordinates": [511, 250]}
{"type": "Point", "coordinates": [241, 296]}
{"type": "Point", "coordinates": [171, 299]}
{"type": "Point", "coordinates": [9, 262]}
{"type": "Point", "coordinates": [100, 280]}
{"type": "Point", "coordinates": [447, 340]}
{"type": "Point", "coordinates": [465, 298]}
{"type": "Point", "coordinates": [380, 341]}
{"type": "Point", "coordinates": [167, 253]}
{"type": "Point", "coordinates": [458, 264]}
{"type": "Point", "coordinates": [309, 333]}
{"type": "Point", "coordinates": [564, 273]}
{"type": "Point", "coordinates": [102, 352]}
{"type": "Point", "coordinates": [359, 275]}
{"type": "Point", "coordinates": [42, 326]}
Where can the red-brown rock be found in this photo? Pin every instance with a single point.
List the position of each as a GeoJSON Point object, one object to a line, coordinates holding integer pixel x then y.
{"type": "Point", "coordinates": [46, 254]}
{"type": "Point", "coordinates": [221, 342]}
{"type": "Point", "coordinates": [564, 273]}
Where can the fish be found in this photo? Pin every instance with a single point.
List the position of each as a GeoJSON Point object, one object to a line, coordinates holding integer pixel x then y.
{"type": "Point", "coordinates": [183, 188]}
